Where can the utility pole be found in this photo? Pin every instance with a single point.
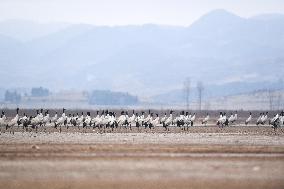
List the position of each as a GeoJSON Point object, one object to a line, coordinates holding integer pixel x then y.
{"type": "Point", "coordinates": [186, 86]}
{"type": "Point", "coordinates": [200, 89]}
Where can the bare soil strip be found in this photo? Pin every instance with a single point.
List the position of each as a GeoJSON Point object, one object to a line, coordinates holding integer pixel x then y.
{"type": "Point", "coordinates": [232, 158]}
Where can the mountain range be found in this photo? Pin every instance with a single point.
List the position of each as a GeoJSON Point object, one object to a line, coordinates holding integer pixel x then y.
{"type": "Point", "coordinates": [221, 49]}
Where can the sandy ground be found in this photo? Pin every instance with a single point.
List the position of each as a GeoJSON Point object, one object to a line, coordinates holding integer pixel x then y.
{"type": "Point", "coordinates": [205, 157]}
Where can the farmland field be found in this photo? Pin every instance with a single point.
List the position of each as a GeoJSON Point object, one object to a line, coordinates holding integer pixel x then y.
{"type": "Point", "coordinates": [203, 157]}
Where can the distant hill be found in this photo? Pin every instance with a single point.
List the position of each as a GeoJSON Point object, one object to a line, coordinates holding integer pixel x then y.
{"type": "Point", "coordinates": [215, 91]}
{"type": "Point", "coordinates": [219, 48]}
{"type": "Point", "coordinates": [25, 30]}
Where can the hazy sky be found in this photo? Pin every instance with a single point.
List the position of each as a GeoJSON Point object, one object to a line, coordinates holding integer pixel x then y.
{"type": "Point", "coordinates": [124, 12]}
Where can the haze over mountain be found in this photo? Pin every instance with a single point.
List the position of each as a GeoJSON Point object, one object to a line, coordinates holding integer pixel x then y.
{"type": "Point", "coordinates": [25, 30]}
{"type": "Point", "coordinates": [219, 49]}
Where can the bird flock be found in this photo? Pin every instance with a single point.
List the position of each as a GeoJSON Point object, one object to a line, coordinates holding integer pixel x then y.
{"type": "Point", "coordinates": [108, 121]}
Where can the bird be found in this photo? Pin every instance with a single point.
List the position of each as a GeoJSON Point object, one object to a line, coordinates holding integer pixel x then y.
{"type": "Point", "coordinates": [137, 121]}
{"type": "Point", "coordinates": [132, 119]}
{"type": "Point", "coordinates": [169, 120]}
{"type": "Point", "coordinates": [35, 121]}
{"type": "Point", "coordinates": [187, 120]}
{"type": "Point", "coordinates": [26, 121]}
{"type": "Point", "coordinates": [275, 122]}
{"type": "Point", "coordinates": [40, 117]}
{"type": "Point", "coordinates": [69, 120]}
{"type": "Point", "coordinates": [2, 120]}
{"type": "Point", "coordinates": [13, 121]}
{"type": "Point", "coordinates": [112, 121]}
{"type": "Point", "coordinates": [206, 119]}
{"type": "Point", "coordinates": [219, 120]}
{"type": "Point", "coordinates": [281, 117]}
{"type": "Point", "coordinates": [179, 120]}
{"type": "Point", "coordinates": [101, 120]}
{"type": "Point", "coordinates": [80, 120]}
{"type": "Point", "coordinates": [222, 119]}
{"type": "Point", "coordinates": [236, 116]}
{"type": "Point", "coordinates": [106, 118]}
{"type": "Point", "coordinates": [23, 120]}
{"type": "Point", "coordinates": [96, 121]}
{"type": "Point", "coordinates": [192, 119]}
{"type": "Point", "coordinates": [140, 120]}
{"type": "Point", "coordinates": [274, 118]}
{"type": "Point", "coordinates": [61, 120]}
{"type": "Point", "coordinates": [126, 123]}
{"type": "Point", "coordinates": [54, 118]}
{"type": "Point", "coordinates": [3, 117]}
{"type": "Point", "coordinates": [248, 119]}
{"type": "Point", "coordinates": [147, 120]}
{"type": "Point", "coordinates": [264, 118]}
{"type": "Point", "coordinates": [231, 118]}
{"type": "Point", "coordinates": [163, 119]}
{"type": "Point", "coordinates": [121, 119]}
{"type": "Point", "coordinates": [46, 118]}
{"type": "Point", "coordinates": [87, 120]}
{"type": "Point", "coordinates": [258, 121]}
{"type": "Point", "coordinates": [155, 122]}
